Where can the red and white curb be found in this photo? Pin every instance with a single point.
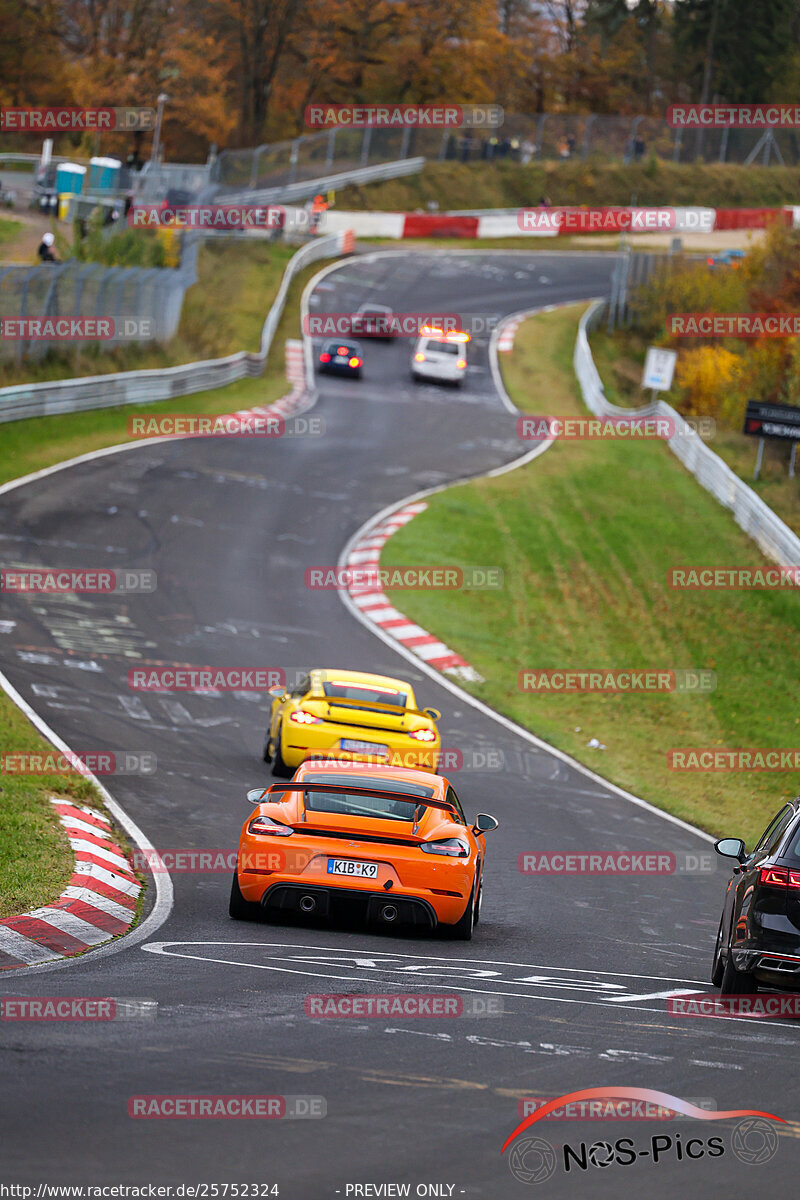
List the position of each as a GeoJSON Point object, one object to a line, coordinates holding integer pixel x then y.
{"type": "Point", "coordinates": [505, 340]}
{"type": "Point", "coordinates": [290, 404]}
{"type": "Point", "coordinates": [375, 606]}
{"type": "Point", "coordinates": [98, 904]}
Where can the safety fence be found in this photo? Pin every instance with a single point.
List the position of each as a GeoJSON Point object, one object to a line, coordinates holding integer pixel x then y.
{"type": "Point", "coordinates": [314, 156]}
{"type": "Point", "coordinates": [141, 303]}
{"type": "Point", "coordinates": [774, 538]}
{"type": "Point", "coordinates": [150, 386]}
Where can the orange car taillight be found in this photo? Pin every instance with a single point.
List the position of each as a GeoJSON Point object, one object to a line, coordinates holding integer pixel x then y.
{"type": "Point", "coordinates": [462, 362]}
{"type": "Point", "coordinates": [423, 735]}
{"type": "Point", "coordinates": [450, 847]}
{"type": "Point", "coordinates": [265, 825]}
{"type": "Point", "coordinates": [355, 362]}
{"type": "Point", "coordinates": [303, 717]}
{"type": "Point", "coordinates": [419, 357]}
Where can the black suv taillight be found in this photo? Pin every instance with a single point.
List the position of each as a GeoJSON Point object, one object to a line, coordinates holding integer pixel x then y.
{"type": "Point", "coordinates": [778, 877]}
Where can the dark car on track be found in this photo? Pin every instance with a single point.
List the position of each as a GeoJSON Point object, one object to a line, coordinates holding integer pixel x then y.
{"type": "Point", "coordinates": [341, 357]}
{"type": "Point", "coordinates": [759, 934]}
{"type": "Point", "coordinates": [375, 321]}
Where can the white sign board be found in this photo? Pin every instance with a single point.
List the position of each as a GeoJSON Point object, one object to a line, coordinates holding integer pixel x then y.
{"type": "Point", "coordinates": [659, 367]}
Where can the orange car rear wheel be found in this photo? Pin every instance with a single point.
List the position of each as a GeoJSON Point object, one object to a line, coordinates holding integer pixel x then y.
{"type": "Point", "coordinates": [239, 908]}
{"type": "Point", "coordinates": [462, 930]}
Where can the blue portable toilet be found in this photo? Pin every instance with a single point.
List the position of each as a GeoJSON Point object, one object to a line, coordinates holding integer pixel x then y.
{"type": "Point", "coordinates": [104, 174]}
{"type": "Point", "coordinates": [69, 179]}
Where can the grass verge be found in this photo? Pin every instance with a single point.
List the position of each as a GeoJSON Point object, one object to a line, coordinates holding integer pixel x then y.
{"type": "Point", "coordinates": [585, 536]}
{"type": "Point", "coordinates": [8, 229]}
{"type": "Point", "coordinates": [452, 185]}
{"type": "Point", "coordinates": [27, 446]}
{"type": "Point", "coordinates": [620, 358]}
{"type": "Point", "coordinates": [36, 860]}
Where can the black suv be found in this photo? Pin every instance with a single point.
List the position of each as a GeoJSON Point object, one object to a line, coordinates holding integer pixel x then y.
{"type": "Point", "coordinates": [759, 934]}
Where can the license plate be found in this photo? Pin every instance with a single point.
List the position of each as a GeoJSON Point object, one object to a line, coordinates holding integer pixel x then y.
{"type": "Point", "coordinates": [341, 358]}
{"type": "Point", "coordinates": [375, 748]}
{"type": "Point", "coordinates": [348, 866]}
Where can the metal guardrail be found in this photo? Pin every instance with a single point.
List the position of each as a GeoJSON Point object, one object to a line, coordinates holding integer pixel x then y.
{"type": "Point", "coordinates": [147, 387]}
{"type": "Point", "coordinates": [750, 512]}
{"type": "Point", "coordinates": [285, 194]}
{"type": "Point", "coordinates": [310, 156]}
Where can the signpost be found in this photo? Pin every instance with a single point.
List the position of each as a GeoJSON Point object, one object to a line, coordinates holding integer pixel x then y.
{"type": "Point", "coordinates": [659, 367]}
{"type": "Point", "coordinates": [780, 422]}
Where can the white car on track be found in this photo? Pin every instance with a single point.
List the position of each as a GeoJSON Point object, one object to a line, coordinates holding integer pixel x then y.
{"type": "Point", "coordinates": [440, 355]}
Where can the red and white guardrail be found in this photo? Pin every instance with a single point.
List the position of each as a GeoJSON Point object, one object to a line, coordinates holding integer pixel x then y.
{"type": "Point", "coordinates": [503, 224]}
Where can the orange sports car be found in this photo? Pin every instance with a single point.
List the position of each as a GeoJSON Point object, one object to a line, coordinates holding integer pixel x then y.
{"type": "Point", "coordinates": [392, 841]}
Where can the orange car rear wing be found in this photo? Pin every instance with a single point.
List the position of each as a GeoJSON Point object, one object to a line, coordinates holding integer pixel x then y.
{"type": "Point", "coordinates": [347, 789]}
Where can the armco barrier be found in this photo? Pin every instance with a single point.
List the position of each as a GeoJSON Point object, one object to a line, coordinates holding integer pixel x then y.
{"type": "Point", "coordinates": [288, 192]}
{"type": "Point", "coordinates": [751, 218]}
{"type": "Point", "coordinates": [439, 225]}
{"type": "Point", "coordinates": [148, 387]}
{"type": "Point", "coordinates": [756, 518]}
{"type": "Point", "coordinates": [503, 223]}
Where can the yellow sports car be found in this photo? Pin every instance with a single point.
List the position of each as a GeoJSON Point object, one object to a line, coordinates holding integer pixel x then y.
{"type": "Point", "coordinates": [351, 716]}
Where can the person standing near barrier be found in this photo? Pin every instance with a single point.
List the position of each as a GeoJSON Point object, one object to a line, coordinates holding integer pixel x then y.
{"type": "Point", "coordinates": [45, 251]}
{"type": "Point", "coordinates": [318, 207]}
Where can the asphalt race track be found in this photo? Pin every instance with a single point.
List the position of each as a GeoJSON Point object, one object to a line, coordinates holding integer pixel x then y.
{"type": "Point", "coordinates": [581, 965]}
